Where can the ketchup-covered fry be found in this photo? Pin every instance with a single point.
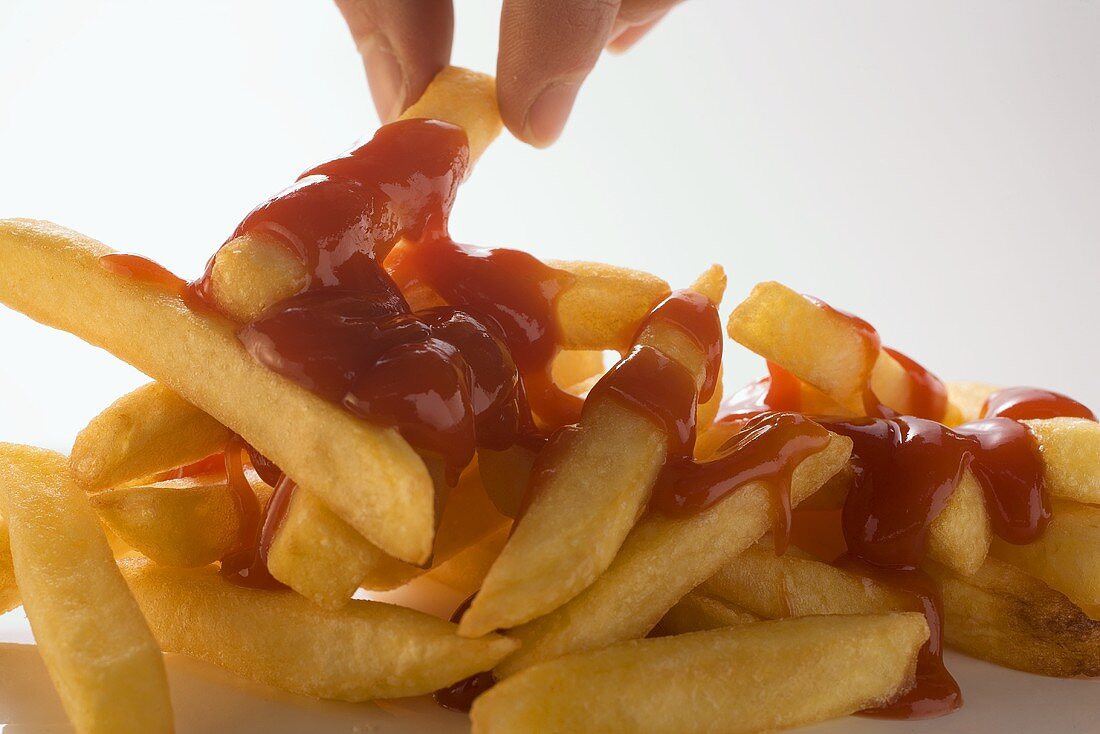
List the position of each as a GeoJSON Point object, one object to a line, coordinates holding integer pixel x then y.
{"type": "Point", "coordinates": [97, 648]}
{"type": "Point", "coordinates": [369, 475]}
{"type": "Point", "coordinates": [592, 486]}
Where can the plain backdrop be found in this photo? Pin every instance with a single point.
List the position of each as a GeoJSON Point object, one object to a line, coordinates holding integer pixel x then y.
{"type": "Point", "coordinates": [932, 166]}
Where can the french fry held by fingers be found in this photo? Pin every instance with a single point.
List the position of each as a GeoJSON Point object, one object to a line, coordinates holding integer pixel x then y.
{"type": "Point", "coordinates": [318, 555]}
{"type": "Point", "coordinates": [593, 485]}
{"type": "Point", "coordinates": [187, 522]}
{"type": "Point", "coordinates": [750, 678]}
{"type": "Point", "coordinates": [9, 592]}
{"type": "Point", "coordinates": [142, 433]}
{"type": "Point", "coordinates": [96, 645]}
{"type": "Point", "coordinates": [369, 475]}
{"type": "Point", "coordinates": [661, 560]}
{"type": "Point", "coordinates": [253, 272]}
{"type": "Point", "coordinates": [699, 611]}
{"type": "Point", "coordinates": [365, 651]}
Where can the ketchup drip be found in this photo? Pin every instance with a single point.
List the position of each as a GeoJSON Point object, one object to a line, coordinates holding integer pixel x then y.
{"type": "Point", "coordinates": [1027, 403]}
{"type": "Point", "coordinates": [767, 449]}
{"type": "Point", "coordinates": [460, 696]}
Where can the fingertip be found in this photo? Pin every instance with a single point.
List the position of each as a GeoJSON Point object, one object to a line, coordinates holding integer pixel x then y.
{"type": "Point", "coordinates": [547, 115]}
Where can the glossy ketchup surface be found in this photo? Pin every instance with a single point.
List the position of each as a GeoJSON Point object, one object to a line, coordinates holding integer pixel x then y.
{"type": "Point", "coordinates": [449, 378]}
{"type": "Point", "coordinates": [1027, 403]}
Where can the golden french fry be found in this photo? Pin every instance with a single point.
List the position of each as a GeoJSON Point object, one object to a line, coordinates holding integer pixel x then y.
{"type": "Point", "coordinates": [698, 612]}
{"type": "Point", "coordinates": [186, 522]}
{"type": "Point", "coordinates": [9, 592]}
{"type": "Point", "coordinates": [967, 399]}
{"type": "Point", "coordinates": [368, 475]}
{"type": "Point", "coordinates": [366, 650]}
{"type": "Point", "coordinates": [321, 557]}
{"type": "Point", "coordinates": [750, 678]}
{"type": "Point", "coordinates": [998, 613]}
{"type": "Point", "coordinates": [662, 560]}
{"type": "Point", "coordinates": [817, 345]}
{"type": "Point", "coordinates": [960, 535]}
{"type": "Point", "coordinates": [577, 520]}
{"type": "Point", "coordinates": [1066, 556]}
{"type": "Point", "coordinates": [603, 306]}
{"type": "Point", "coordinates": [97, 648]}
{"type": "Point", "coordinates": [583, 508]}
{"type": "Point", "coordinates": [574, 367]}
{"type": "Point", "coordinates": [142, 433]}
{"type": "Point", "coordinates": [1071, 457]}
{"type": "Point", "coordinates": [1007, 617]}
{"type": "Point", "coordinates": [795, 585]}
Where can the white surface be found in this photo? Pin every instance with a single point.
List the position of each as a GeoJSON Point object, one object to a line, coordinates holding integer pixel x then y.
{"type": "Point", "coordinates": [931, 166]}
{"type": "Point", "coordinates": [997, 701]}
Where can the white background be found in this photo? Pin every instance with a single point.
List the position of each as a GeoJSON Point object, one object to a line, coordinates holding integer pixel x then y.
{"type": "Point", "coordinates": [932, 166]}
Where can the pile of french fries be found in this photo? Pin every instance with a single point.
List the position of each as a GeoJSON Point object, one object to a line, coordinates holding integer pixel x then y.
{"type": "Point", "coordinates": [592, 613]}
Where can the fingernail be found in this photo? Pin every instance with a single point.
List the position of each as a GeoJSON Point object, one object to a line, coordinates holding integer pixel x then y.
{"type": "Point", "coordinates": [385, 76]}
{"type": "Point", "coordinates": [547, 114]}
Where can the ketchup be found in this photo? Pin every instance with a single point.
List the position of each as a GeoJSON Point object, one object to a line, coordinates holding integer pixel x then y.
{"type": "Point", "coordinates": [1026, 403]}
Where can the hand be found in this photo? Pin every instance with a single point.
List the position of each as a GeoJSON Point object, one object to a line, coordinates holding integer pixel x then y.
{"type": "Point", "coordinates": [547, 48]}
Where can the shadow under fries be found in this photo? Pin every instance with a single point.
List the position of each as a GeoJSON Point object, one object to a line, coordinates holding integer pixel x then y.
{"type": "Point", "coordinates": [207, 699]}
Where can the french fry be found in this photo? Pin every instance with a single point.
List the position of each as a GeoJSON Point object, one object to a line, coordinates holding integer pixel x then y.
{"type": "Point", "coordinates": [574, 367]}
{"type": "Point", "coordinates": [186, 522]}
{"type": "Point", "coordinates": [9, 592]}
{"type": "Point", "coordinates": [961, 534]}
{"type": "Point", "coordinates": [603, 306]}
{"type": "Point", "coordinates": [583, 508]}
{"type": "Point", "coordinates": [142, 433]}
{"type": "Point", "coordinates": [698, 612]}
{"type": "Point", "coordinates": [795, 585]}
{"type": "Point", "coordinates": [662, 560]}
{"type": "Point", "coordinates": [1066, 556]}
{"type": "Point", "coordinates": [967, 399]}
{"type": "Point", "coordinates": [367, 474]}
{"type": "Point", "coordinates": [819, 346]}
{"type": "Point", "coordinates": [576, 521]}
{"type": "Point", "coordinates": [90, 633]}
{"type": "Point", "coordinates": [998, 613]}
{"type": "Point", "coordinates": [321, 557]}
{"type": "Point", "coordinates": [1071, 457]}
{"type": "Point", "coordinates": [367, 650]}
{"type": "Point", "coordinates": [253, 272]}
{"type": "Point", "coordinates": [750, 678]}
{"type": "Point", "coordinates": [1007, 617]}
